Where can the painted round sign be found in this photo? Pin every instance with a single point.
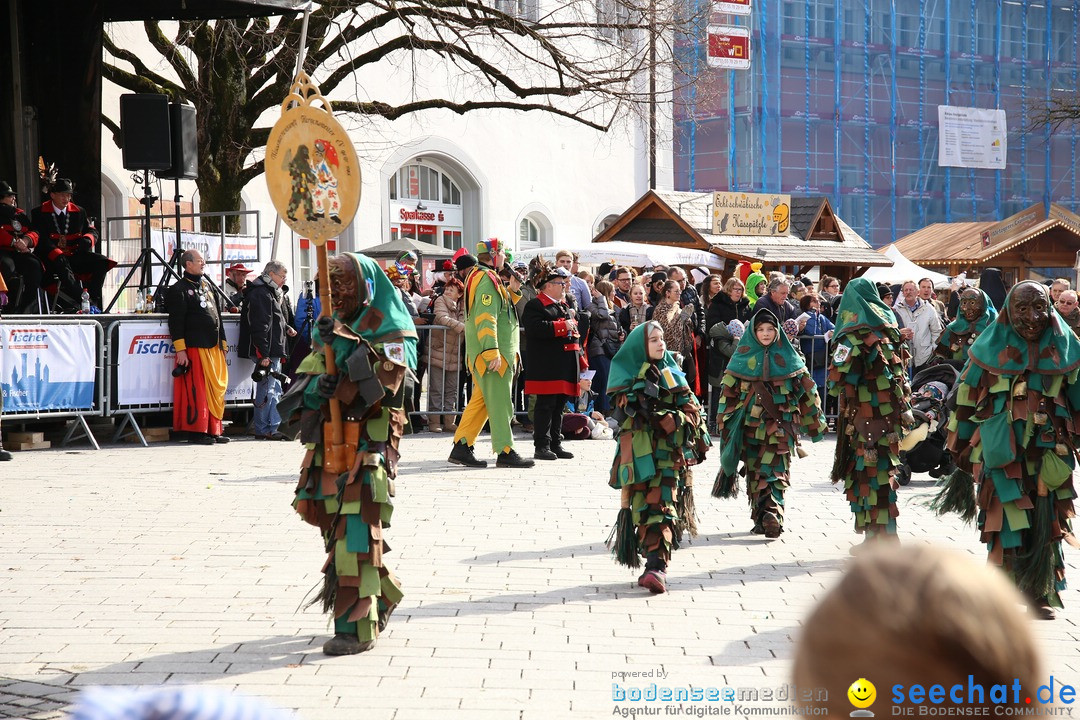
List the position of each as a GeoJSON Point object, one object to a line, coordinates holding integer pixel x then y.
{"type": "Point", "coordinates": [312, 171]}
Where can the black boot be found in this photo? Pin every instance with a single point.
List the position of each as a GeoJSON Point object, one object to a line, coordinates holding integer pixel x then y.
{"type": "Point", "coordinates": [562, 454]}
{"type": "Point", "coordinates": [462, 454]}
{"type": "Point", "coordinates": [510, 459]}
{"type": "Point", "coordinates": [346, 644]}
{"type": "Point", "coordinates": [4, 454]}
{"type": "Point", "coordinates": [543, 453]}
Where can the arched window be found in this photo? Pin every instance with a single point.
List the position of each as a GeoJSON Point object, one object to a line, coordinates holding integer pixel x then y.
{"type": "Point", "coordinates": [528, 233]}
{"type": "Point", "coordinates": [534, 230]}
{"type": "Point", "coordinates": [426, 204]}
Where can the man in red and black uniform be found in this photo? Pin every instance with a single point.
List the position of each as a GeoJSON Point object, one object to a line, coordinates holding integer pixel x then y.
{"type": "Point", "coordinates": [201, 373]}
{"type": "Point", "coordinates": [66, 245]}
{"type": "Point", "coordinates": [552, 359]}
{"type": "Point", "coordinates": [18, 266]}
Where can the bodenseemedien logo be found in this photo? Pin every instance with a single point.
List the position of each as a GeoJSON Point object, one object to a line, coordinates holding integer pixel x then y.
{"type": "Point", "coordinates": [862, 694]}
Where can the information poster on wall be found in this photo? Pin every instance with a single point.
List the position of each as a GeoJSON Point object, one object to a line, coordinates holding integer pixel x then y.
{"type": "Point", "coordinates": [146, 357]}
{"type": "Point", "coordinates": [47, 368]}
{"type": "Point", "coordinates": [729, 47]}
{"type": "Point", "coordinates": [732, 7]}
{"type": "Point", "coordinates": [972, 137]}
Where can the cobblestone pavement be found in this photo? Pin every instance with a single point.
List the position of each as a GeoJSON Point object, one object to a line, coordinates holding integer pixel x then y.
{"type": "Point", "coordinates": [173, 564]}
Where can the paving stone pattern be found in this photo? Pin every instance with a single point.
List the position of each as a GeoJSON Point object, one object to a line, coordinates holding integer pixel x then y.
{"type": "Point", "coordinates": [176, 564]}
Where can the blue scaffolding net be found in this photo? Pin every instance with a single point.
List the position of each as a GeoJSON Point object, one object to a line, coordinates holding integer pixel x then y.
{"type": "Point", "coordinates": [841, 100]}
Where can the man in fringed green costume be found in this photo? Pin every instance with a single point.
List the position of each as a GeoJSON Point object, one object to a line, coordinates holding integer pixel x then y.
{"type": "Point", "coordinates": [767, 399]}
{"type": "Point", "coordinates": [1015, 429]}
{"type": "Point", "coordinates": [866, 373]}
{"type": "Point", "coordinates": [661, 434]}
{"type": "Point", "coordinates": [976, 312]}
{"type": "Point", "coordinates": [347, 494]}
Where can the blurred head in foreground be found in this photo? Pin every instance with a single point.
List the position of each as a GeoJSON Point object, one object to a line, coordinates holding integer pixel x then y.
{"type": "Point", "coordinates": [919, 616]}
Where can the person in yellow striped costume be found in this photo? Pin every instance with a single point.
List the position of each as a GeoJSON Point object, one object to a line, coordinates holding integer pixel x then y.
{"type": "Point", "coordinates": [491, 348]}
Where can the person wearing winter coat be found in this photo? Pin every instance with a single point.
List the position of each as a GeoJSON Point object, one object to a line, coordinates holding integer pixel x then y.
{"type": "Point", "coordinates": [605, 338]}
{"type": "Point", "coordinates": [815, 341]}
{"type": "Point", "coordinates": [445, 357]}
{"type": "Point", "coordinates": [923, 319]}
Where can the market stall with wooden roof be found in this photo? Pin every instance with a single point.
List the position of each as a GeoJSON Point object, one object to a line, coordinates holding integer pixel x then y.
{"type": "Point", "coordinates": [782, 232]}
{"type": "Point", "coordinates": [1034, 244]}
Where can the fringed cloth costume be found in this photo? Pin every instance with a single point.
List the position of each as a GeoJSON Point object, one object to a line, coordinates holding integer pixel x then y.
{"type": "Point", "coordinates": [349, 498]}
{"type": "Point", "coordinates": [1015, 429]}
{"type": "Point", "coordinates": [767, 399]}
{"type": "Point", "coordinates": [961, 333]}
{"type": "Point", "coordinates": [195, 326]}
{"type": "Point", "coordinates": [867, 375]}
{"type": "Point", "coordinates": [661, 433]}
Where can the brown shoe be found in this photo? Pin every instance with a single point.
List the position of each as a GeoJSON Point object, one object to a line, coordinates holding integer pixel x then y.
{"type": "Point", "coordinates": [1041, 608]}
{"type": "Point", "coordinates": [771, 525]}
{"type": "Point", "coordinates": [346, 644]}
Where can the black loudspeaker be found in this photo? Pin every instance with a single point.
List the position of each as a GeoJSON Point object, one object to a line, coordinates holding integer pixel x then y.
{"type": "Point", "coordinates": [185, 149]}
{"type": "Point", "coordinates": [144, 125]}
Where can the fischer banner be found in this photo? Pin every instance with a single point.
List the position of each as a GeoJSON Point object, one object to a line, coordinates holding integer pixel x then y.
{"type": "Point", "coordinates": [47, 368]}
{"type": "Point", "coordinates": [146, 357]}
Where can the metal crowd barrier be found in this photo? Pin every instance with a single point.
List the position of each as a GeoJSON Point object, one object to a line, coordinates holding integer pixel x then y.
{"type": "Point", "coordinates": [127, 411]}
{"type": "Point", "coordinates": [42, 373]}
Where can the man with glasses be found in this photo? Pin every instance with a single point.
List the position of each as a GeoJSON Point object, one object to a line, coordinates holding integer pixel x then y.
{"type": "Point", "coordinates": [552, 365]}
{"type": "Point", "coordinates": [263, 329]}
{"type": "Point", "coordinates": [1067, 305]}
{"type": "Point", "coordinates": [624, 280]}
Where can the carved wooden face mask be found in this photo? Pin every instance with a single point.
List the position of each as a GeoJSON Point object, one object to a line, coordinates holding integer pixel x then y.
{"type": "Point", "coordinates": [972, 304]}
{"type": "Point", "coordinates": [1029, 310]}
{"type": "Point", "coordinates": [345, 288]}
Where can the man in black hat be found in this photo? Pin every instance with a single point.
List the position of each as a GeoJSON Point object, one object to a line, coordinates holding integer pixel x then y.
{"type": "Point", "coordinates": [66, 245]}
{"type": "Point", "coordinates": [18, 266]}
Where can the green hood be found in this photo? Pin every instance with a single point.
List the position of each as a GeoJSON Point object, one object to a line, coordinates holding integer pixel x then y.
{"type": "Point", "coordinates": [754, 361]}
{"type": "Point", "coordinates": [1002, 351]}
{"type": "Point", "coordinates": [752, 282]}
{"type": "Point", "coordinates": [861, 308]}
{"type": "Point", "coordinates": [960, 326]}
{"type": "Point", "coordinates": [630, 363]}
{"type": "Point", "coordinates": [384, 317]}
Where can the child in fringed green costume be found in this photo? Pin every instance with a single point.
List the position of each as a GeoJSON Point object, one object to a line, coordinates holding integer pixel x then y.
{"type": "Point", "coordinates": [976, 312]}
{"type": "Point", "coordinates": [348, 495]}
{"type": "Point", "coordinates": [1015, 428]}
{"type": "Point", "coordinates": [867, 375]}
{"type": "Point", "coordinates": [661, 434]}
{"type": "Point", "coordinates": [767, 399]}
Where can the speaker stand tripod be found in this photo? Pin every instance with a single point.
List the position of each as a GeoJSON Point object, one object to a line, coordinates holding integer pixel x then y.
{"type": "Point", "coordinates": [145, 261]}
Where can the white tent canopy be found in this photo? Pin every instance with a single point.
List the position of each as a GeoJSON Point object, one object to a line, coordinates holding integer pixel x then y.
{"type": "Point", "coordinates": [628, 253]}
{"type": "Point", "coordinates": [902, 269]}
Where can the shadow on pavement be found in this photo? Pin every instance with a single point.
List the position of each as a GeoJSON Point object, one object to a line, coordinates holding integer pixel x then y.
{"type": "Point", "coordinates": [45, 696]}
{"type": "Point", "coordinates": [677, 582]}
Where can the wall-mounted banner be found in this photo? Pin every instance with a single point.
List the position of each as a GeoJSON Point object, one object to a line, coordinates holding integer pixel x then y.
{"type": "Point", "coordinates": [972, 137]}
{"type": "Point", "coordinates": [729, 47]}
{"type": "Point", "coordinates": [146, 357]}
{"type": "Point", "coordinates": [732, 7]}
{"type": "Point", "coordinates": [47, 367]}
{"type": "Point", "coordinates": [751, 214]}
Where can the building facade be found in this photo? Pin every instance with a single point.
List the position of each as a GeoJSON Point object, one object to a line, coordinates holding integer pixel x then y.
{"type": "Point", "coordinates": [531, 178]}
{"type": "Point", "coordinates": [842, 98]}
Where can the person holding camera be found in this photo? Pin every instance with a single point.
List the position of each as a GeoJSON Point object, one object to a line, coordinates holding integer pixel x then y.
{"type": "Point", "coordinates": [263, 329]}
{"type": "Point", "coordinates": [201, 373]}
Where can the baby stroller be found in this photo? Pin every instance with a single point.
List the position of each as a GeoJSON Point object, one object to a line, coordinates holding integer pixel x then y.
{"type": "Point", "coordinates": [923, 447]}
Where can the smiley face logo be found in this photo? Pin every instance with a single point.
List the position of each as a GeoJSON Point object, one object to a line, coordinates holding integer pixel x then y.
{"type": "Point", "coordinates": [862, 694]}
